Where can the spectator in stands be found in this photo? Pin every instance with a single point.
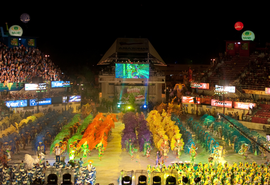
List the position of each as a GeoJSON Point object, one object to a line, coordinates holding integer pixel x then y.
{"type": "Point", "coordinates": [21, 64]}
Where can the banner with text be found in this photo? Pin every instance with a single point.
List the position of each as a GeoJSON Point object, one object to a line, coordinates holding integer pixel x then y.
{"type": "Point", "coordinates": [229, 89]}
{"type": "Point", "coordinates": [189, 99]}
{"type": "Point", "coordinates": [199, 85]}
{"type": "Point", "coordinates": [244, 105]}
{"type": "Point", "coordinates": [217, 103]}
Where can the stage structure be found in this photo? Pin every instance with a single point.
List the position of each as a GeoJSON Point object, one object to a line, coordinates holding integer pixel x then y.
{"type": "Point", "coordinates": [130, 75]}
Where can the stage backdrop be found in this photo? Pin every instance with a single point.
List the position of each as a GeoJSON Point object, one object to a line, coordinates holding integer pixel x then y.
{"type": "Point", "coordinates": [130, 94]}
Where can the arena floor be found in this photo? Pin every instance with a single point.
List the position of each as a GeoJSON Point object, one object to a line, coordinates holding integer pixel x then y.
{"type": "Point", "coordinates": [115, 159]}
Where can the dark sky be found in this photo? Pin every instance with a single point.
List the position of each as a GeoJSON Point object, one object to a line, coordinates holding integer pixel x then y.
{"type": "Point", "coordinates": [76, 34]}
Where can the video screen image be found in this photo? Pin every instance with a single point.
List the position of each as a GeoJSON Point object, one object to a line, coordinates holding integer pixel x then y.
{"type": "Point", "coordinates": [132, 71]}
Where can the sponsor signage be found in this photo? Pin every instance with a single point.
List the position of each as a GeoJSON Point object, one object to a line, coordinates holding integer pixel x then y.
{"type": "Point", "coordinates": [64, 99]}
{"type": "Point", "coordinates": [76, 98]}
{"type": "Point", "coordinates": [35, 87]}
{"type": "Point", "coordinates": [14, 42]}
{"type": "Point", "coordinates": [44, 101]}
{"type": "Point", "coordinates": [229, 89]}
{"type": "Point", "coordinates": [16, 103]}
{"type": "Point", "coordinates": [199, 85]}
{"type": "Point", "coordinates": [189, 99]}
{"type": "Point", "coordinates": [248, 35]}
{"type": "Point", "coordinates": [15, 30]}
{"type": "Point", "coordinates": [31, 42]}
{"type": "Point", "coordinates": [244, 105]}
{"type": "Point", "coordinates": [59, 84]}
{"type": "Point", "coordinates": [267, 90]}
{"type": "Point", "coordinates": [217, 103]}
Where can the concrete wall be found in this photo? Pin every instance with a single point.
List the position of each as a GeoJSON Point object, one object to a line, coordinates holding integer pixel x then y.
{"type": "Point", "coordinates": [108, 83]}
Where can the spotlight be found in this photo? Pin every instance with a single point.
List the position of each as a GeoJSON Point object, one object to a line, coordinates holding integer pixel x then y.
{"type": "Point", "coordinates": [144, 106]}
{"type": "Point", "coordinates": [129, 107]}
{"type": "Point", "coordinates": [118, 105]}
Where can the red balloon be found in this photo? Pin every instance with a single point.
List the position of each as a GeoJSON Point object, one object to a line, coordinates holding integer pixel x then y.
{"type": "Point", "coordinates": [238, 26]}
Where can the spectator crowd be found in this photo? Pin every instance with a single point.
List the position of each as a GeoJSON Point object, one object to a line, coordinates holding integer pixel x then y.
{"type": "Point", "coordinates": [21, 64]}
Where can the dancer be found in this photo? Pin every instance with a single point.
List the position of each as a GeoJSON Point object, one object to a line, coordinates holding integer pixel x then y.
{"type": "Point", "coordinates": [85, 149]}
{"type": "Point", "coordinates": [193, 153]}
{"type": "Point", "coordinates": [157, 158]}
{"type": "Point", "coordinates": [40, 149]}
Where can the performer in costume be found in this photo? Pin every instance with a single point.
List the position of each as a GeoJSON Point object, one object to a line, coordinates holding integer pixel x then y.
{"type": "Point", "coordinates": [71, 152]}
{"type": "Point", "coordinates": [85, 149]}
{"type": "Point", "coordinates": [100, 149]}
{"type": "Point", "coordinates": [40, 149]}
{"type": "Point", "coordinates": [193, 153]}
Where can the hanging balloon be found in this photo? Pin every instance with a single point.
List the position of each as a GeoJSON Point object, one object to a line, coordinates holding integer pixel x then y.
{"type": "Point", "coordinates": [25, 18]}
{"type": "Point", "coordinates": [238, 26]}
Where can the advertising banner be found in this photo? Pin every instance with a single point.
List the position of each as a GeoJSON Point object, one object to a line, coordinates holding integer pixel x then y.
{"type": "Point", "coordinates": [132, 45]}
{"type": "Point", "coordinates": [31, 42]}
{"type": "Point", "coordinates": [64, 99]}
{"type": "Point", "coordinates": [267, 90]}
{"type": "Point", "coordinates": [244, 105]}
{"type": "Point", "coordinates": [14, 42]}
{"type": "Point", "coordinates": [35, 87]}
{"type": "Point", "coordinates": [132, 94]}
{"type": "Point", "coordinates": [59, 84]}
{"type": "Point", "coordinates": [15, 30]}
{"type": "Point", "coordinates": [75, 98]}
{"type": "Point", "coordinates": [11, 86]}
{"type": "Point", "coordinates": [199, 85]}
{"type": "Point", "coordinates": [189, 99]}
{"type": "Point", "coordinates": [16, 103]}
{"type": "Point", "coordinates": [44, 101]}
{"type": "Point", "coordinates": [217, 103]}
{"type": "Point", "coordinates": [229, 89]}
{"type": "Point", "coordinates": [248, 35]}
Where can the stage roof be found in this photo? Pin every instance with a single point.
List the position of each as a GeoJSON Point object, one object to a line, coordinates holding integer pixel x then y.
{"type": "Point", "coordinates": [127, 46]}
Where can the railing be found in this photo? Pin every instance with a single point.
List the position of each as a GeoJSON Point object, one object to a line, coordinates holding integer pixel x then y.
{"type": "Point", "coordinates": [253, 87]}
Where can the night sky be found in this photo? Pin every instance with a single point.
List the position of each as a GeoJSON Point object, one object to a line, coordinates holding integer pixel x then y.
{"type": "Point", "coordinates": [78, 34]}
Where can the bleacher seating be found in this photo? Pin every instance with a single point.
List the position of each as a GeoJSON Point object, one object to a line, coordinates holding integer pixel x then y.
{"type": "Point", "coordinates": [256, 75]}
{"type": "Point", "coordinates": [230, 70]}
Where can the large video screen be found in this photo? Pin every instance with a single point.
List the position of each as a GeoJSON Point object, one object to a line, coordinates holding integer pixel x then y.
{"type": "Point", "coordinates": [59, 84]}
{"type": "Point", "coordinates": [127, 70]}
{"type": "Point", "coordinates": [16, 103]}
{"type": "Point", "coordinates": [130, 94]}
